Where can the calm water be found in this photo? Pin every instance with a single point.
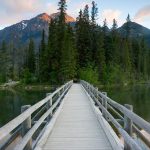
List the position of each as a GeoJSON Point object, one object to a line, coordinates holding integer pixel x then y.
{"type": "Point", "coordinates": [11, 102]}
{"type": "Point", "coordinates": [137, 95]}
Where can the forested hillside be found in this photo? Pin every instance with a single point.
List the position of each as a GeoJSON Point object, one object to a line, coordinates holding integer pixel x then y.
{"type": "Point", "coordinates": [87, 51]}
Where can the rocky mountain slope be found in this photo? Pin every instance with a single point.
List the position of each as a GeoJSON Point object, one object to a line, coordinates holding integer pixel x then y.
{"type": "Point", "coordinates": [21, 32]}
{"type": "Point", "coordinates": [137, 31]}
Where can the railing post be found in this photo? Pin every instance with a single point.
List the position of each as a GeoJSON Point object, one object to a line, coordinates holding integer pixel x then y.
{"type": "Point", "coordinates": [26, 126]}
{"type": "Point", "coordinates": [97, 92]}
{"type": "Point", "coordinates": [48, 105]}
{"type": "Point", "coordinates": [51, 103]}
{"type": "Point", "coordinates": [128, 125]}
{"type": "Point", "coordinates": [104, 103]}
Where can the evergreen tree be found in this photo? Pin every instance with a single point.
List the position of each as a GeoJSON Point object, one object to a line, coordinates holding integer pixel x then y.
{"type": "Point", "coordinates": [68, 67]}
{"type": "Point", "coordinates": [61, 30]}
{"type": "Point", "coordinates": [94, 29]}
{"type": "Point", "coordinates": [83, 35]}
{"type": "Point", "coordinates": [105, 27]}
{"type": "Point", "coordinates": [114, 26]}
{"type": "Point", "coordinates": [126, 57]}
{"type": "Point", "coordinates": [94, 13]}
{"type": "Point", "coordinates": [128, 21]}
{"type": "Point", "coordinates": [43, 59]}
{"type": "Point", "coordinates": [3, 62]}
{"type": "Point", "coordinates": [31, 57]}
{"type": "Point", "coordinates": [80, 40]}
{"type": "Point", "coordinates": [53, 53]}
{"type": "Point", "coordinates": [115, 42]}
{"type": "Point", "coordinates": [100, 57]}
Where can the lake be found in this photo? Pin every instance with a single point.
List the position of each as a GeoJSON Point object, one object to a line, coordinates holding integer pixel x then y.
{"type": "Point", "coordinates": [11, 102]}
{"type": "Point", "coordinates": [137, 95]}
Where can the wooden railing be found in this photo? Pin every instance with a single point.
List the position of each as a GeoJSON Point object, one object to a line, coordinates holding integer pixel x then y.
{"type": "Point", "coordinates": [32, 121]}
{"type": "Point", "coordinates": [128, 125]}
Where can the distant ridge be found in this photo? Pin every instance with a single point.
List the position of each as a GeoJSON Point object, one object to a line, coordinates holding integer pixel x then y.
{"type": "Point", "coordinates": [21, 32]}
{"type": "Point", "coordinates": [137, 31]}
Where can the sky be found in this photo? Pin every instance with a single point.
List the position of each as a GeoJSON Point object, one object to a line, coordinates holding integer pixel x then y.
{"type": "Point", "coordinates": [14, 11]}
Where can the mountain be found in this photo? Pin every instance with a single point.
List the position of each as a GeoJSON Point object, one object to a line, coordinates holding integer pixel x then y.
{"type": "Point", "coordinates": [137, 31]}
{"type": "Point", "coordinates": [21, 32]}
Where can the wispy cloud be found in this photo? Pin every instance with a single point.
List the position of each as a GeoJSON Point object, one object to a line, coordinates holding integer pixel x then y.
{"type": "Point", "coordinates": [142, 14]}
{"type": "Point", "coordinates": [111, 14]}
{"type": "Point", "coordinates": [17, 10]}
{"type": "Point", "coordinates": [20, 6]}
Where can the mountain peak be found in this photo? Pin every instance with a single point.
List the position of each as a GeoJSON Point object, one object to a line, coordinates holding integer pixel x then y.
{"type": "Point", "coordinates": [44, 17]}
{"type": "Point", "coordinates": [47, 18]}
{"type": "Point", "coordinates": [68, 18]}
{"type": "Point", "coordinates": [136, 29]}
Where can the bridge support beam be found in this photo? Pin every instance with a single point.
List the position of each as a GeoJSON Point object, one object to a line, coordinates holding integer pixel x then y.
{"type": "Point", "coordinates": [26, 126]}
{"type": "Point", "coordinates": [128, 124]}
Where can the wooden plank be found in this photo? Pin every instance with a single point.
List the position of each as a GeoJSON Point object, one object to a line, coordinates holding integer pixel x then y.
{"type": "Point", "coordinates": [28, 136]}
{"type": "Point", "coordinates": [131, 115]}
{"type": "Point", "coordinates": [77, 126]}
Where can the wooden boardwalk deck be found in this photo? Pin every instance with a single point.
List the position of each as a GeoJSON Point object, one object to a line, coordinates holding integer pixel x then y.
{"type": "Point", "coordinates": [77, 127]}
{"type": "Point", "coordinates": [81, 122]}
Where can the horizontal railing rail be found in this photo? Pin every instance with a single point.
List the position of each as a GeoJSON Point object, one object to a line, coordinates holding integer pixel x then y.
{"type": "Point", "coordinates": [47, 105]}
{"type": "Point", "coordinates": [128, 122]}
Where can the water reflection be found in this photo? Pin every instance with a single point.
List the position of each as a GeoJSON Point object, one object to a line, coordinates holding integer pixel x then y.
{"type": "Point", "coordinates": [11, 102]}
{"type": "Point", "coordinates": [137, 95]}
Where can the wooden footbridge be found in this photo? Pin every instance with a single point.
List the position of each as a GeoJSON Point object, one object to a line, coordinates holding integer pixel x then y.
{"type": "Point", "coordinates": [76, 117]}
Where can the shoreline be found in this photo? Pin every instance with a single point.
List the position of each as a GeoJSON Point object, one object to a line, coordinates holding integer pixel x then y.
{"type": "Point", "coordinates": [17, 85]}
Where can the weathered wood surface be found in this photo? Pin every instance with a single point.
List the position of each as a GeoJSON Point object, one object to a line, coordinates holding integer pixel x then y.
{"type": "Point", "coordinates": [77, 126]}
{"type": "Point", "coordinates": [9, 127]}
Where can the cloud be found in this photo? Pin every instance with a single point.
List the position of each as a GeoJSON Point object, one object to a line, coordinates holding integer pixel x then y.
{"type": "Point", "coordinates": [16, 10]}
{"type": "Point", "coordinates": [75, 8]}
{"type": "Point", "coordinates": [20, 6]}
{"type": "Point", "coordinates": [111, 14]}
{"type": "Point", "coordinates": [142, 14]}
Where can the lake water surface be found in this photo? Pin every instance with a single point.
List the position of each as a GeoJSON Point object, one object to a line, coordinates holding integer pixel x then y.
{"type": "Point", "coordinates": [137, 95]}
{"type": "Point", "coordinates": [11, 102]}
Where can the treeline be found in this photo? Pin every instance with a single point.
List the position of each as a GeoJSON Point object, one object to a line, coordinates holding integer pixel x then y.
{"type": "Point", "coordinates": [87, 51]}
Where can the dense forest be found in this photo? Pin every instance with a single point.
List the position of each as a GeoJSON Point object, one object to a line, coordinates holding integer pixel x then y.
{"type": "Point", "coordinates": [87, 51]}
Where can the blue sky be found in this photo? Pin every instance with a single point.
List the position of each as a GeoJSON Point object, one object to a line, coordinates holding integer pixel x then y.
{"type": "Point", "coordinates": [13, 11]}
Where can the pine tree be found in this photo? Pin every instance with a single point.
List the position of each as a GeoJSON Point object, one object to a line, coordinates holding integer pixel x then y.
{"type": "Point", "coordinates": [53, 53]}
{"type": "Point", "coordinates": [62, 8]}
{"type": "Point", "coordinates": [100, 57]}
{"type": "Point", "coordinates": [31, 57]}
{"type": "Point", "coordinates": [83, 35]}
{"type": "Point", "coordinates": [3, 62]}
{"type": "Point", "coordinates": [61, 27]}
{"type": "Point", "coordinates": [86, 16]}
{"type": "Point", "coordinates": [114, 26]}
{"type": "Point", "coordinates": [94, 29]}
{"type": "Point", "coordinates": [128, 30]}
{"type": "Point", "coordinates": [144, 57]}
{"type": "Point", "coordinates": [126, 57]}
{"type": "Point", "coordinates": [80, 40]}
{"type": "Point", "coordinates": [43, 59]}
{"type": "Point", "coordinates": [68, 67]}
{"type": "Point", "coordinates": [105, 27]}
{"type": "Point", "coordinates": [115, 42]}
{"type": "Point", "coordinates": [94, 13]}
{"type": "Point", "coordinates": [128, 18]}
